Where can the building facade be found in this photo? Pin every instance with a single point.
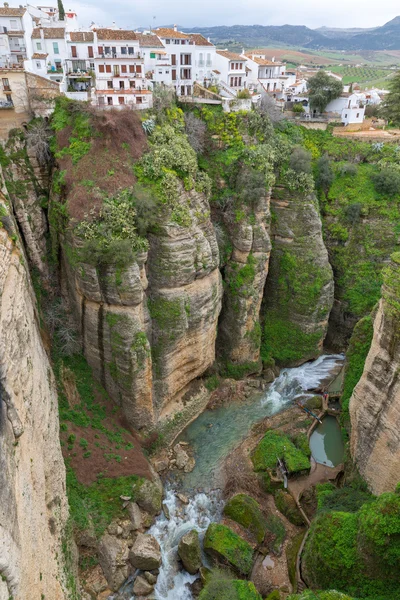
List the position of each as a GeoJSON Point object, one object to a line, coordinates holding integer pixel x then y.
{"type": "Point", "coordinates": [230, 71]}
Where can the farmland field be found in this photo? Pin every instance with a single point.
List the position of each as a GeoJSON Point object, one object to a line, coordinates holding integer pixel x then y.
{"type": "Point", "coordinates": [361, 75]}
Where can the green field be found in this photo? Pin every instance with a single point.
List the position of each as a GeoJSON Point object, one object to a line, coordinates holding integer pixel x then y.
{"type": "Point", "coordinates": [366, 76]}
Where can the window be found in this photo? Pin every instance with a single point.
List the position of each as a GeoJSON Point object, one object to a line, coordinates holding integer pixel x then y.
{"type": "Point", "coordinates": [167, 41]}
{"type": "Point", "coordinates": [9, 98]}
{"type": "Point", "coordinates": [173, 74]}
{"type": "Point", "coordinates": [6, 84]}
{"type": "Point", "coordinates": [240, 82]}
{"type": "Point", "coordinates": [121, 85]}
{"type": "Point", "coordinates": [131, 68]}
{"type": "Point", "coordinates": [130, 50]}
{"type": "Point", "coordinates": [152, 54]}
{"type": "Point", "coordinates": [91, 65]}
{"type": "Point", "coordinates": [236, 81]}
{"type": "Point", "coordinates": [101, 69]}
{"type": "Point", "coordinates": [13, 24]}
{"type": "Point", "coordinates": [108, 68]}
{"type": "Point", "coordinates": [139, 100]}
{"type": "Point", "coordinates": [167, 72]}
{"type": "Point", "coordinates": [124, 50]}
{"type": "Point", "coordinates": [38, 45]}
{"type": "Point", "coordinates": [357, 115]}
{"type": "Point", "coordinates": [132, 84]}
{"type": "Point", "coordinates": [90, 52]}
{"type": "Point", "coordinates": [38, 65]}
{"type": "Point", "coordinates": [138, 68]}
{"type": "Point", "coordinates": [110, 85]}
{"type": "Point", "coordinates": [101, 50]}
{"type": "Point", "coordinates": [107, 50]}
{"type": "Point", "coordinates": [345, 116]}
{"type": "Point", "coordinates": [123, 69]}
{"type": "Point", "coordinates": [232, 80]}
{"type": "Point", "coordinates": [109, 100]}
{"type": "Point", "coordinates": [116, 70]}
{"type": "Point", "coordinates": [121, 100]}
{"type": "Point", "coordinates": [241, 66]}
{"type": "Point", "coordinates": [173, 59]}
{"type": "Point", "coordinates": [74, 53]}
{"type": "Point", "coordinates": [55, 48]}
{"type": "Point", "coordinates": [101, 101]}
{"type": "Point", "coordinates": [114, 50]}
{"type": "Point", "coordinates": [176, 41]}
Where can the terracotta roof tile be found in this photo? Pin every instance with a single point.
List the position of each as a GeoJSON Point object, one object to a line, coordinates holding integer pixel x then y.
{"type": "Point", "coordinates": [165, 32]}
{"type": "Point", "coordinates": [200, 40]}
{"type": "Point", "coordinates": [19, 33]}
{"type": "Point", "coordinates": [149, 40]}
{"type": "Point", "coordinates": [41, 56]}
{"type": "Point", "coordinates": [6, 11]}
{"type": "Point", "coordinates": [264, 61]}
{"type": "Point", "coordinates": [81, 36]}
{"type": "Point", "coordinates": [49, 33]}
{"type": "Point", "coordinates": [231, 55]}
{"type": "Point", "coordinates": [116, 34]}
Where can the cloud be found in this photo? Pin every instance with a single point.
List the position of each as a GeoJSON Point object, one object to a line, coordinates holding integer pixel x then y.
{"type": "Point", "coordinates": [312, 13]}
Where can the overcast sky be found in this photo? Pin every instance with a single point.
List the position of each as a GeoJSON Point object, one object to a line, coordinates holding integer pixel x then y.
{"type": "Point", "coordinates": [192, 13]}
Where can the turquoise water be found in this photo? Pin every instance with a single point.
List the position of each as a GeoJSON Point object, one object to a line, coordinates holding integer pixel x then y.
{"type": "Point", "coordinates": [326, 442]}
{"type": "Point", "coordinates": [217, 432]}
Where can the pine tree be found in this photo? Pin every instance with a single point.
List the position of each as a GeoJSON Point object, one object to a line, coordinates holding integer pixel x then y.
{"type": "Point", "coordinates": [61, 11]}
{"type": "Point", "coordinates": [391, 105]}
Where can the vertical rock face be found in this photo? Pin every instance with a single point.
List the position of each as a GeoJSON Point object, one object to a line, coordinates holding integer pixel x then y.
{"type": "Point", "coordinates": [298, 295]}
{"type": "Point", "coordinates": [375, 403]}
{"type": "Point", "coordinates": [245, 276]}
{"type": "Point", "coordinates": [148, 330]}
{"type": "Point", "coordinates": [33, 505]}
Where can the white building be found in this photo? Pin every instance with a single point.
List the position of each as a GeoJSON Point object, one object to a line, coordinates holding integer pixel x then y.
{"type": "Point", "coordinates": [119, 69]}
{"type": "Point", "coordinates": [51, 43]}
{"type": "Point", "coordinates": [269, 74]}
{"type": "Point", "coordinates": [157, 61]}
{"type": "Point", "coordinates": [79, 66]}
{"type": "Point", "coordinates": [230, 70]}
{"type": "Point", "coordinates": [349, 107]}
{"type": "Point", "coordinates": [15, 26]}
{"type": "Point", "coordinates": [181, 50]}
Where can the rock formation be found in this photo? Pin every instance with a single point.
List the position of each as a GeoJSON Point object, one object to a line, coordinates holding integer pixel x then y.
{"type": "Point", "coordinates": [33, 504]}
{"type": "Point", "coordinates": [375, 403]}
{"type": "Point", "coordinates": [299, 290]}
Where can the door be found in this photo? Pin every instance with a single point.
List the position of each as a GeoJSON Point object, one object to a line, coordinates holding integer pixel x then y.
{"type": "Point", "coordinates": [90, 52]}
{"type": "Point", "coordinates": [74, 53]}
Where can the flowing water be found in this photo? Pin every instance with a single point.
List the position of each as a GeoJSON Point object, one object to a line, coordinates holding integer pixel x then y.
{"type": "Point", "coordinates": [326, 443]}
{"type": "Point", "coordinates": [213, 435]}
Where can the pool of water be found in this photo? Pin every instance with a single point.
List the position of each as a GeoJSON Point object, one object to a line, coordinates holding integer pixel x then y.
{"type": "Point", "coordinates": [216, 432]}
{"type": "Point", "coordinates": [326, 442]}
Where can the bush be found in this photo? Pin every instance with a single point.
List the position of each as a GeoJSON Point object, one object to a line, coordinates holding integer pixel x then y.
{"type": "Point", "coordinates": [348, 169]}
{"type": "Point", "coordinates": [300, 160]}
{"type": "Point", "coordinates": [298, 108]}
{"type": "Point", "coordinates": [221, 587]}
{"type": "Point", "coordinates": [243, 95]}
{"type": "Point", "coordinates": [325, 175]}
{"type": "Point", "coordinates": [286, 504]}
{"type": "Point", "coordinates": [196, 131]}
{"type": "Point", "coordinates": [387, 182]}
{"type": "Point", "coordinates": [274, 445]}
{"type": "Point", "coordinates": [353, 213]}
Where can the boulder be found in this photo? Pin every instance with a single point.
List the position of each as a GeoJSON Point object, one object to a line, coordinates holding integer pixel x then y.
{"type": "Point", "coordinates": [246, 512]}
{"type": "Point", "coordinates": [286, 504]}
{"type": "Point", "coordinates": [142, 587]}
{"type": "Point", "coordinates": [148, 496]}
{"type": "Point", "coordinates": [161, 465]}
{"type": "Point", "coordinates": [135, 515]}
{"type": "Point", "coordinates": [145, 553]}
{"type": "Point", "coordinates": [189, 551]}
{"type": "Point", "coordinates": [151, 577]}
{"type": "Point", "coordinates": [113, 555]}
{"type": "Point", "coordinates": [227, 548]}
{"type": "Point", "coordinates": [95, 582]}
{"type": "Point", "coordinates": [181, 457]}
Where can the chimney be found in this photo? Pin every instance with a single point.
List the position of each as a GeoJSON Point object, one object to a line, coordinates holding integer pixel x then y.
{"type": "Point", "coordinates": [242, 50]}
{"type": "Point", "coordinates": [175, 27]}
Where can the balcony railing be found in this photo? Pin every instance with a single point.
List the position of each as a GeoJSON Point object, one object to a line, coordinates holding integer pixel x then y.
{"type": "Point", "coordinates": [109, 55]}
{"type": "Point", "coordinates": [6, 88]}
{"type": "Point", "coordinates": [201, 63]}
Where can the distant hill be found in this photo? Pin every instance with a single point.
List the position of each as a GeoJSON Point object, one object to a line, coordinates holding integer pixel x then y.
{"type": "Point", "coordinates": [386, 37]}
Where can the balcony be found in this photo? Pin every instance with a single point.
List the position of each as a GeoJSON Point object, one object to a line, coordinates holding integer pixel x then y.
{"type": "Point", "coordinates": [86, 57]}
{"type": "Point", "coordinates": [6, 88]}
{"type": "Point", "coordinates": [201, 63]}
{"type": "Point", "coordinates": [54, 70]}
{"type": "Point", "coordinates": [113, 55]}
{"type": "Point", "coordinates": [6, 105]}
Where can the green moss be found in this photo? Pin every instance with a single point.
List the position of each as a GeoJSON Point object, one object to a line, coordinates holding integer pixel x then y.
{"type": "Point", "coordinates": [275, 595]}
{"type": "Point", "coordinates": [227, 546]}
{"type": "Point", "coordinates": [292, 550]}
{"type": "Point", "coordinates": [277, 533]}
{"type": "Point", "coordinates": [286, 504]}
{"type": "Point", "coordinates": [300, 440]}
{"type": "Point", "coordinates": [276, 445]}
{"type": "Point", "coordinates": [356, 355]}
{"type": "Point", "coordinates": [220, 587]}
{"type": "Point", "coordinates": [345, 499]}
{"type": "Point", "coordinates": [238, 371]}
{"type": "Point", "coordinates": [285, 341]}
{"type": "Point", "coordinates": [328, 595]}
{"type": "Point", "coordinates": [246, 511]}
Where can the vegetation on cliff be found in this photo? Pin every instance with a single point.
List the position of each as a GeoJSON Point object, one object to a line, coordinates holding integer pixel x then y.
{"type": "Point", "coordinates": [219, 586]}
{"type": "Point", "coordinates": [276, 445]}
{"type": "Point", "coordinates": [227, 547]}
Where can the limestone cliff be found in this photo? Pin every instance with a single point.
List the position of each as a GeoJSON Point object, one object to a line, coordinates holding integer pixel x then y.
{"type": "Point", "coordinates": [375, 403]}
{"type": "Point", "coordinates": [148, 330]}
{"type": "Point", "coordinates": [245, 275]}
{"type": "Point", "coordinates": [33, 505]}
{"type": "Point", "coordinates": [298, 295]}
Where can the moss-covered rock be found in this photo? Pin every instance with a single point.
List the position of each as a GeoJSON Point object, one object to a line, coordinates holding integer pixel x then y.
{"type": "Point", "coordinates": [292, 550]}
{"type": "Point", "coordinates": [148, 496]}
{"type": "Point", "coordinates": [327, 595]}
{"type": "Point", "coordinates": [276, 445]}
{"type": "Point", "coordinates": [226, 547]}
{"type": "Point", "coordinates": [314, 403]}
{"type": "Point", "coordinates": [221, 588]}
{"type": "Point", "coordinates": [286, 504]}
{"type": "Point", "coordinates": [246, 511]}
{"type": "Point", "coordinates": [275, 595]}
{"type": "Point", "coordinates": [189, 551]}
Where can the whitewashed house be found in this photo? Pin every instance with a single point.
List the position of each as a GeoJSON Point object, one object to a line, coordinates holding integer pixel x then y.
{"type": "Point", "coordinates": [79, 69]}
{"type": "Point", "coordinates": [157, 60]}
{"type": "Point", "coordinates": [182, 52]}
{"type": "Point", "coordinates": [230, 70]}
{"type": "Point", "coordinates": [15, 27]}
{"type": "Point", "coordinates": [269, 74]}
{"type": "Point", "coordinates": [119, 70]}
{"type": "Point", "coordinates": [349, 108]}
{"type": "Point", "coordinates": [205, 53]}
{"type": "Point", "coordinates": [48, 42]}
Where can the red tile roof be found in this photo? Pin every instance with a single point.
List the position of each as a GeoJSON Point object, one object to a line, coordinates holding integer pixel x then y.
{"type": "Point", "coordinates": [49, 33]}
{"type": "Point", "coordinates": [200, 40]}
{"type": "Point", "coordinates": [39, 56]}
{"type": "Point", "coordinates": [81, 36]}
{"type": "Point", "coordinates": [231, 55]}
{"type": "Point", "coordinates": [116, 34]}
{"type": "Point", "coordinates": [6, 11]}
{"type": "Point", "coordinates": [165, 32]}
{"type": "Point", "coordinates": [149, 40]}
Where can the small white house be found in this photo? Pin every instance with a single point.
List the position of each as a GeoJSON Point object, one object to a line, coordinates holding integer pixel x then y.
{"type": "Point", "coordinates": [350, 108]}
{"type": "Point", "coordinates": [230, 69]}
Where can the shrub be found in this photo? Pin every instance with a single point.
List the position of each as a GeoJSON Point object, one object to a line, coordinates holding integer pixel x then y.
{"type": "Point", "coordinates": [300, 160]}
{"type": "Point", "coordinates": [286, 504]}
{"type": "Point", "coordinates": [353, 213]}
{"type": "Point", "coordinates": [243, 95]}
{"type": "Point", "coordinates": [348, 169]}
{"type": "Point", "coordinates": [274, 445]}
{"type": "Point", "coordinates": [220, 586]}
{"type": "Point", "coordinates": [387, 182]}
{"type": "Point", "coordinates": [298, 108]}
{"type": "Point", "coordinates": [196, 131]}
{"type": "Point", "coordinates": [325, 175]}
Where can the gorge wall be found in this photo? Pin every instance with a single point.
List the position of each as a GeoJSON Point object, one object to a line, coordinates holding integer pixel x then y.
{"type": "Point", "coordinates": [375, 403]}
{"type": "Point", "coordinates": [33, 504]}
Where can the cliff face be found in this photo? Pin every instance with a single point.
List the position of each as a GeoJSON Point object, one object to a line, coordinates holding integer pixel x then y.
{"type": "Point", "coordinates": [298, 295]}
{"type": "Point", "coordinates": [33, 505]}
{"type": "Point", "coordinates": [245, 275]}
{"type": "Point", "coordinates": [375, 403]}
{"type": "Point", "coordinates": [149, 330]}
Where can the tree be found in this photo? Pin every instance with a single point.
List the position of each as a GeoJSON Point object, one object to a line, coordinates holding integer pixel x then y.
{"type": "Point", "coordinates": [322, 89]}
{"type": "Point", "coordinates": [300, 160]}
{"type": "Point", "coordinates": [61, 11]}
{"type": "Point", "coordinates": [196, 131]}
{"type": "Point", "coordinates": [391, 105]}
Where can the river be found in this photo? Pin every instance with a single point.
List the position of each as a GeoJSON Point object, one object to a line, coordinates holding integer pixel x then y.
{"type": "Point", "coordinates": [213, 435]}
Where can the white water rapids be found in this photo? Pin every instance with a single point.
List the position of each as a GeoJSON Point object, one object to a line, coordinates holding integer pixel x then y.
{"type": "Point", "coordinates": [234, 421]}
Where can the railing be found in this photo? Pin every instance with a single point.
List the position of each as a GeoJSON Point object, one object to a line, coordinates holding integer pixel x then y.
{"type": "Point", "coordinates": [201, 63]}
{"type": "Point", "coordinates": [209, 63]}
{"type": "Point", "coordinates": [109, 55]}
{"type": "Point", "coordinates": [55, 71]}
{"type": "Point", "coordinates": [226, 88]}
{"type": "Point", "coordinates": [85, 58]}
{"type": "Point", "coordinates": [19, 49]}
{"type": "Point", "coordinates": [6, 88]}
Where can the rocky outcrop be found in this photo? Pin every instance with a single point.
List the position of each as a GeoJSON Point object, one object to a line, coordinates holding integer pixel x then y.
{"type": "Point", "coordinates": [298, 294]}
{"type": "Point", "coordinates": [189, 551]}
{"type": "Point", "coordinates": [149, 330]}
{"type": "Point", "coordinates": [375, 403]}
{"type": "Point", "coordinates": [145, 553]}
{"type": "Point", "coordinates": [33, 505]}
{"type": "Point", "coordinates": [239, 334]}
